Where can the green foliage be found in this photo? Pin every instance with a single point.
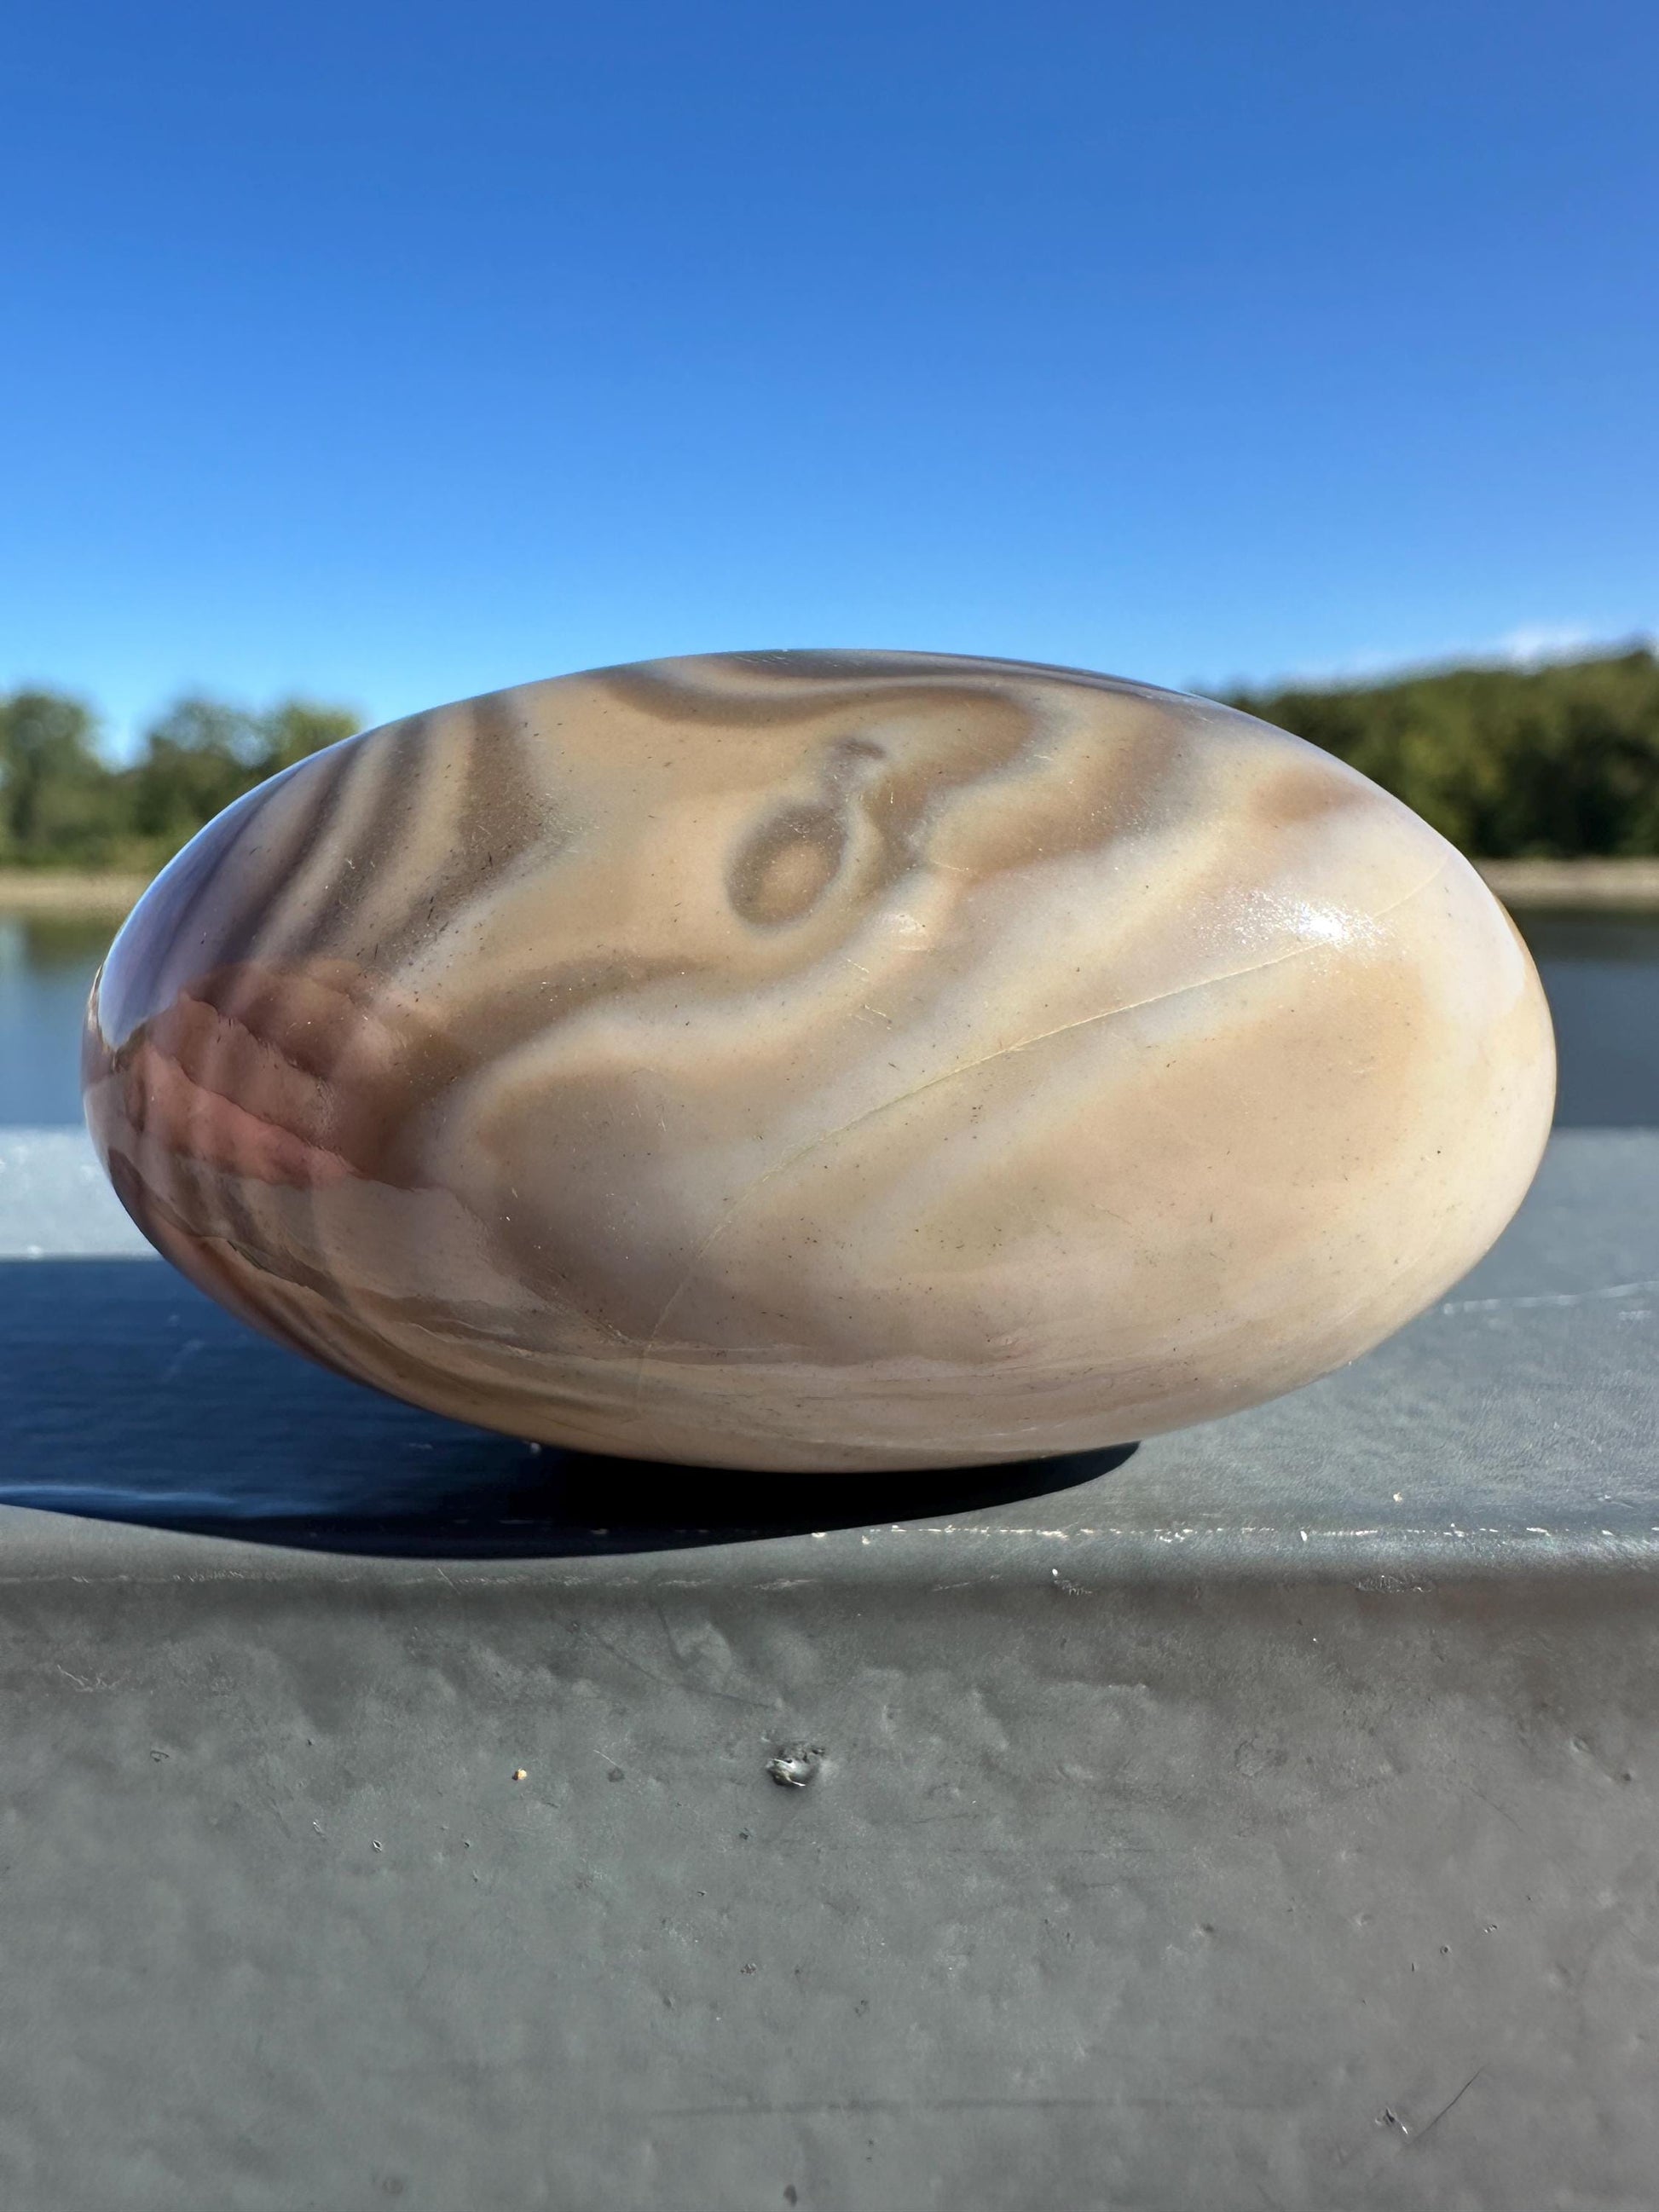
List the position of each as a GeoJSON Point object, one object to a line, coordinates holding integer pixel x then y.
{"type": "Point", "coordinates": [63, 805]}
{"type": "Point", "coordinates": [1507, 763]}
{"type": "Point", "coordinates": [54, 789]}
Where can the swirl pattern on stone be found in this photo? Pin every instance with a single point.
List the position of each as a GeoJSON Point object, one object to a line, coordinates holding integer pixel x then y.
{"type": "Point", "coordinates": [821, 1061]}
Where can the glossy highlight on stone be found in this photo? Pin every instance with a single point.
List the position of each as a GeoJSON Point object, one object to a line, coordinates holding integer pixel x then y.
{"type": "Point", "coordinates": [812, 1060]}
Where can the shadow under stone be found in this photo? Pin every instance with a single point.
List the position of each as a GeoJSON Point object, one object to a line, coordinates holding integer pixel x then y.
{"type": "Point", "coordinates": [128, 1396]}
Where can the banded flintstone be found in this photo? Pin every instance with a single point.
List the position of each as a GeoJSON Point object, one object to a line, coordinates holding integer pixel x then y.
{"type": "Point", "coordinates": [821, 1061]}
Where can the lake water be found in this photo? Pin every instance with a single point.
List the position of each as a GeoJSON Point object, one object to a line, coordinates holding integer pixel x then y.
{"type": "Point", "coordinates": [47, 964]}
{"type": "Point", "coordinates": [1602, 972]}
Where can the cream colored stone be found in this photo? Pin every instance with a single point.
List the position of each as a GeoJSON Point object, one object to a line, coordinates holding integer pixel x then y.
{"type": "Point", "coordinates": [810, 1060]}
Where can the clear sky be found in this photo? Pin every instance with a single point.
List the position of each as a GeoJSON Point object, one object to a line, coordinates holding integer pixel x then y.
{"type": "Point", "coordinates": [395, 352]}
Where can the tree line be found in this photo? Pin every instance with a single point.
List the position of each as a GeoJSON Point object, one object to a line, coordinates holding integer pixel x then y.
{"type": "Point", "coordinates": [1507, 763]}
{"type": "Point", "coordinates": [64, 804]}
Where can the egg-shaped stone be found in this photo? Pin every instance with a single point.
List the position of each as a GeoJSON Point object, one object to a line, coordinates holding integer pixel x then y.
{"type": "Point", "coordinates": [821, 1061]}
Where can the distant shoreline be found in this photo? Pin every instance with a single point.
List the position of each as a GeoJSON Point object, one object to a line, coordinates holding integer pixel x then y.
{"type": "Point", "coordinates": [1604, 885]}
{"type": "Point", "coordinates": [63, 891]}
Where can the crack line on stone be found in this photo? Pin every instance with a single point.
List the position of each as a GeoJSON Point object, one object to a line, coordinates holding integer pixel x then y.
{"type": "Point", "coordinates": [967, 1067]}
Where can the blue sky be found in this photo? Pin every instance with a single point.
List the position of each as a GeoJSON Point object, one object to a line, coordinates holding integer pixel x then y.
{"type": "Point", "coordinates": [393, 353]}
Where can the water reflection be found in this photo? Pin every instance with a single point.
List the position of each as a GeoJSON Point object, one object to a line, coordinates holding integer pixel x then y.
{"type": "Point", "coordinates": [46, 965]}
{"type": "Point", "coordinates": [1601, 970]}
{"type": "Point", "coordinates": [1602, 973]}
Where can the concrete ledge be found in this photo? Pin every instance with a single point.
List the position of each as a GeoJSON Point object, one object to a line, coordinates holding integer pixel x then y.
{"type": "Point", "coordinates": [1511, 1428]}
{"type": "Point", "coordinates": [1266, 1818]}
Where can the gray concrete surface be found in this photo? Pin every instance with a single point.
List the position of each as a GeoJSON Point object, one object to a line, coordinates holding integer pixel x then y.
{"type": "Point", "coordinates": [55, 1201]}
{"type": "Point", "coordinates": [1265, 1818]}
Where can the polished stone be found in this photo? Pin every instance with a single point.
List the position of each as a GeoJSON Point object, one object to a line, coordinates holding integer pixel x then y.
{"type": "Point", "coordinates": [822, 1061]}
